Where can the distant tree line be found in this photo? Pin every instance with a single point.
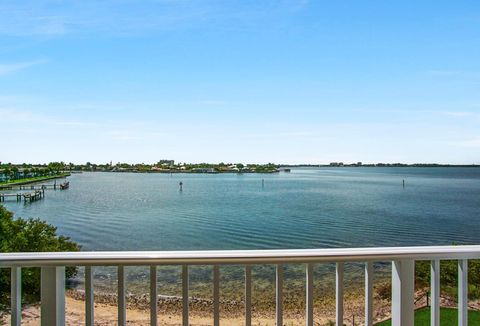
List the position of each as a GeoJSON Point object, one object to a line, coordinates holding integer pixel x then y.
{"type": "Point", "coordinates": [21, 171]}
{"type": "Point", "coordinates": [57, 167]}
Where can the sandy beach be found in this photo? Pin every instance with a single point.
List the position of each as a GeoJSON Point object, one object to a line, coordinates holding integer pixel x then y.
{"type": "Point", "coordinates": [169, 311]}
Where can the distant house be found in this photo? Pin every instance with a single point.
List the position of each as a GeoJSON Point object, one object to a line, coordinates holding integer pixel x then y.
{"type": "Point", "coordinates": [204, 170]}
{"type": "Point", "coordinates": [24, 173]}
{"type": "Point", "coordinates": [156, 168]}
{"type": "Point", "coordinates": [19, 174]}
{"type": "Point", "coordinates": [3, 176]}
{"type": "Point", "coordinates": [166, 162]}
{"type": "Point", "coordinates": [336, 164]}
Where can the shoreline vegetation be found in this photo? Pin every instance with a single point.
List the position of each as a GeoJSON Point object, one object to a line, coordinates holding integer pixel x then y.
{"type": "Point", "coordinates": [22, 174]}
{"type": "Point", "coordinates": [10, 172]}
{"type": "Point", "coordinates": [26, 181]}
{"type": "Point", "coordinates": [29, 173]}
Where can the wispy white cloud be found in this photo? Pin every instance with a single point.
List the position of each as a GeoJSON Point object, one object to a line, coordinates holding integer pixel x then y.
{"type": "Point", "coordinates": [22, 18]}
{"type": "Point", "coordinates": [473, 142]}
{"type": "Point", "coordinates": [10, 98]}
{"type": "Point", "coordinates": [26, 18]}
{"type": "Point", "coordinates": [455, 74]}
{"type": "Point", "coordinates": [9, 68]}
{"type": "Point", "coordinates": [123, 136]}
{"type": "Point", "coordinates": [446, 73]}
{"type": "Point", "coordinates": [12, 115]}
{"type": "Point", "coordinates": [415, 113]}
{"type": "Point", "coordinates": [213, 102]}
{"type": "Point", "coordinates": [50, 25]}
{"type": "Point", "coordinates": [472, 116]}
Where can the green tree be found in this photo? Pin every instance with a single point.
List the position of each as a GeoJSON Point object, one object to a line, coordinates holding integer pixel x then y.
{"type": "Point", "coordinates": [56, 167]}
{"type": "Point", "coordinates": [29, 235]}
{"type": "Point", "coordinates": [449, 276]}
{"type": "Point", "coordinates": [14, 173]}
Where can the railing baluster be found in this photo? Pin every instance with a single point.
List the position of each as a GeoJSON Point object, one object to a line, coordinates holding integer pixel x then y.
{"type": "Point", "coordinates": [185, 295]}
{"type": "Point", "coordinates": [435, 292]}
{"type": "Point", "coordinates": [216, 295]}
{"type": "Point", "coordinates": [122, 312]}
{"type": "Point", "coordinates": [309, 295]}
{"type": "Point", "coordinates": [52, 296]}
{"type": "Point", "coordinates": [463, 292]}
{"type": "Point", "coordinates": [248, 295]}
{"type": "Point", "coordinates": [403, 272]}
{"type": "Point", "coordinates": [403, 285]}
{"type": "Point", "coordinates": [339, 293]}
{"type": "Point", "coordinates": [153, 295]}
{"type": "Point", "coordinates": [16, 296]}
{"type": "Point", "coordinates": [279, 295]}
{"type": "Point", "coordinates": [368, 294]}
{"type": "Point", "coordinates": [89, 298]}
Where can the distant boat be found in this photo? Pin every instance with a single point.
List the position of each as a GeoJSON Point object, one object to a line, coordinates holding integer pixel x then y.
{"type": "Point", "coordinates": [287, 170]}
{"type": "Point", "coordinates": [64, 185]}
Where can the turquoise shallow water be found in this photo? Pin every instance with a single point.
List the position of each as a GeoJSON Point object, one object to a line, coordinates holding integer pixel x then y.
{"type": "Point", "coordinates": [307, 208]}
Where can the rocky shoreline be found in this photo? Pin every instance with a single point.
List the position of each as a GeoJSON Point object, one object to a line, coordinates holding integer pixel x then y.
{"type": "Point", "coordinates": [170, 309]}
{"type": "Point", "coordinates": [202, 308]}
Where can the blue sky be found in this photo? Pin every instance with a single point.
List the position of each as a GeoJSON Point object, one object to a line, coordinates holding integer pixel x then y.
{"type": "Point", "coordinates": [285, 81]}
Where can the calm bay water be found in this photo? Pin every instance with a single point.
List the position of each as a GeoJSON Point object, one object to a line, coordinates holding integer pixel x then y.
{"type": "Point", "coordinates": [307, 208]}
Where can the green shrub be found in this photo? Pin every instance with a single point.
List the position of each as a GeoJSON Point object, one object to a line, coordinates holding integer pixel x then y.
{"type": "Point", "coordinates": [449, 276]}
{"type": "Point", "coordinates": [29, 235]}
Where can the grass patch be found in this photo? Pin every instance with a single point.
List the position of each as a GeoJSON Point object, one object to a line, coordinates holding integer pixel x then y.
{"type": "Point", "coordinates": [34, 179]}
{"type": "Point", "coordinates": [448, 317]}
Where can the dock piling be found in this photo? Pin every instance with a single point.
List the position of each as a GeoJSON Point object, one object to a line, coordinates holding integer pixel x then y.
{"type": "Point", "coordinates": [26, 197]}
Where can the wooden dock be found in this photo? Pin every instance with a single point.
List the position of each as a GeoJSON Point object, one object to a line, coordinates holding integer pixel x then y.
{"type": "Point", "coordinates": [33, 187]}
{"type": "Point", "coordinates": [27, 197]}
{"type": "Point", "coordinates": [37, 192]}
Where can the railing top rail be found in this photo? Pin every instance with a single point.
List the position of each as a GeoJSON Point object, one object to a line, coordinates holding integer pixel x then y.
{"type": "Point", "coordinates": [103, 258]}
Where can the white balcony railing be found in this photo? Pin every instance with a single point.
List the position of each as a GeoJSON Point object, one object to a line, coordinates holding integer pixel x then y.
{"type": "Point", "coordinates": [403, 274]}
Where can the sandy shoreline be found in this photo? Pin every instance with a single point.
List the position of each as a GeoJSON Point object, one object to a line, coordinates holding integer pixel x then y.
{"type": "Point", "coordinates": [201, 311]}
{"type": "Point", "coordinates": [170, 309]}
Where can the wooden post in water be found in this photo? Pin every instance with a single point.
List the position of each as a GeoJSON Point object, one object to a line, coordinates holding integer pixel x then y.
{"type": "Point", "coordinates": [403, 183]}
